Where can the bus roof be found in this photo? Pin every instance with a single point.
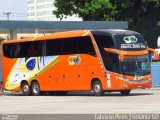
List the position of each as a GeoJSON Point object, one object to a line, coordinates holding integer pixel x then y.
{"type": "Point", "coordinates": [55, 35]}
{"type": "Point", "coordinates": [111, 32]}
{"type": "Point", "coordinates": [74, 33]}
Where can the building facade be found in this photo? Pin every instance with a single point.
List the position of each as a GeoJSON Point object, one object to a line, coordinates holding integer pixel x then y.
{"type": "Point", "coordinates": [42, 10]}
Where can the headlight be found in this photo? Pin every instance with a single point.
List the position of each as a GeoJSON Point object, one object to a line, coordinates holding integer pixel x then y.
{"type": "Point", "coordinates": [127, 80]}
{"type": "Point", "coordinates": [121, 78]}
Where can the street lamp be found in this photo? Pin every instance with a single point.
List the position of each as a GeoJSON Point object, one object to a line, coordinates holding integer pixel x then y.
{"type": "Point", "coordinates": [7, 14]}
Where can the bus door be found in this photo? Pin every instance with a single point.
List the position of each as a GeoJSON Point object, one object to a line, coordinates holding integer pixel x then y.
{"type": "Point", "coordinates": [112, 65]}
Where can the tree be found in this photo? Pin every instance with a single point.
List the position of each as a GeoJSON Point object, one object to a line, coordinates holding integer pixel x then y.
{"type": "Point", "coordinates": [142, 15]}
{"type": "Point", "coordinates": [87, 9]}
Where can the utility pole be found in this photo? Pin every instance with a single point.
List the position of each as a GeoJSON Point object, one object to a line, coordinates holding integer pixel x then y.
{"type": "Point", "coordinates": [7, 14]}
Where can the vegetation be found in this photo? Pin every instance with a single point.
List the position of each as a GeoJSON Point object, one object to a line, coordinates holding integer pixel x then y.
{"type": "Point", "coordinates": [142, 15]}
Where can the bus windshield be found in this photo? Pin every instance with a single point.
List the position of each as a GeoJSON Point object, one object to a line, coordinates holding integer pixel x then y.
{"type": "Point", "coordinates": [136, 65]}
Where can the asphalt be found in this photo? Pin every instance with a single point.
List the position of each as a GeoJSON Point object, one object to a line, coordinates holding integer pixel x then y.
{"type": "Point", "coordinates": [139, 101]}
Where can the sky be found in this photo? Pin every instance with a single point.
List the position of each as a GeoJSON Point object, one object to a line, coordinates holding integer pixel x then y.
{"type": "Point", "coordinates": [17, 8]}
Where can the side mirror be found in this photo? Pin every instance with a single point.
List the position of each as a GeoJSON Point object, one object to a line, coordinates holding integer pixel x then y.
{"type": "Point", "coordinates": [154, 55]}
{"type": "Point", "coordinates": [115, 51]}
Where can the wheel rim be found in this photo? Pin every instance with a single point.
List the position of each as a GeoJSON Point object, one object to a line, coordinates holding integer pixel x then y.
{"type": "Point", "coordinates": [97, 88]}
{"type": "Point", "coordinates": [35, 89]}
{"type": "Point", "coordinates": [25, 88]}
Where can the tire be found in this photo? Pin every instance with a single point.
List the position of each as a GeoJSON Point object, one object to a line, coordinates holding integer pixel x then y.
{"type": "Point", "coordinates": [97, 88]}
{"type": "Point", "coordinates": [35, 89]}
{"type": "Point", "coordinates": [125, 92]}
{"type": "Point", "coordinates": [25, 89]}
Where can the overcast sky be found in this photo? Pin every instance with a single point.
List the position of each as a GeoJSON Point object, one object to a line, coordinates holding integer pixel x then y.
{"type": "Point", "coordinates": [18, 9]}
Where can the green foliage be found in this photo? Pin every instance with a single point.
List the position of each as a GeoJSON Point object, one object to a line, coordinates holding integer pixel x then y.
{"type": "Point", "coordinates": [87, 9]}
{"type": "Point", "coordinates": [142, 15]}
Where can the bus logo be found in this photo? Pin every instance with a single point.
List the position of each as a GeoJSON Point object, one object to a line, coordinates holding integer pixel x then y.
{"type": "Point", "coordinates": [74, 60]}
{"type": "Point", "coordinates": [130, 39]}
{"type": "Point", "coordinates": [30, 63]}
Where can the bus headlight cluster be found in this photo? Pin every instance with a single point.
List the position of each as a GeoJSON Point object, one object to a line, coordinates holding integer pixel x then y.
{"type": "Point", "coordinates": [124, 79]}
{"type": "Point", "coordinates": [127, 80]}
{"type": "Point", "coordinates": [148, 79]}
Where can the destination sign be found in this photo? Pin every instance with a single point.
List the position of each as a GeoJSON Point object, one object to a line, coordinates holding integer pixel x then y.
{"type": "Point", "coordinates": [130, 42]}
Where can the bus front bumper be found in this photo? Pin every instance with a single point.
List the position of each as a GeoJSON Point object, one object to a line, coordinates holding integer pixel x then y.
{"type": "Point", "coordinates": [134, 84]}
{"type": "Point", "coordinates": [130, 84]}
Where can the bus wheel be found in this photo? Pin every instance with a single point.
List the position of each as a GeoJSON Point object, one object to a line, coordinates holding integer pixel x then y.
{"type": "Point", "coordinates": [35, 89]}
{"type": "Point", "coordinates": [25, 89]}
{"type": "Point", "coordinates": [125, 92]}
{"type": "Point", "coordinates": [97, 88]}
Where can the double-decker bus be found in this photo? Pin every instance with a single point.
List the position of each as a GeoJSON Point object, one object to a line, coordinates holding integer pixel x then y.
{"type": "Point", "coordinates": [94, 60]}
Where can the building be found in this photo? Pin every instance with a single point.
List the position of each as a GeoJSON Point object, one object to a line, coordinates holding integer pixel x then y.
{"type": "Point", "coordinates": [42, 10]}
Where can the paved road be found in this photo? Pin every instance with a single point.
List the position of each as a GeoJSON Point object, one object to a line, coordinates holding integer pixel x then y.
{"type": "Point", "coordinates": [140, 101]}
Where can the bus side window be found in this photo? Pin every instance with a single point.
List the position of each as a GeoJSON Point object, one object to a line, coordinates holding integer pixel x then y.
{"type": "Point", "coordinates": [31, 52]}
{"type": "Point", "coordinates": [69, 46]}
{"type": "Point", "coordinates": [104, 42]}
{"type": "Point", "coordinates": [31, 49]}
{"type": "Point", "coordinates": [11, 50]}
{"type": "Point", "coordinates": [111, 62]}
{"type": "Point", "coordinates": [53, 47]}
{"type": "Point", "coordinates": [85, 46]}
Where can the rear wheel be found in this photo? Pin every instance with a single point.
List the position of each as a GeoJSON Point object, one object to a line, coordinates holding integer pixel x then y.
{"type": "Point", "coordinates": [35, 88]}
{"type": "Point", "coordinates": [25, 89]}
{"type": "Point", "coordinates": [125, 92]}
{"type": "Point", "coordinates": [97, 88]}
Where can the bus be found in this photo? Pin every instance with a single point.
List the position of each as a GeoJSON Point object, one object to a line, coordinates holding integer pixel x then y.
{"type": "Point", "coordinates": [99, 61]}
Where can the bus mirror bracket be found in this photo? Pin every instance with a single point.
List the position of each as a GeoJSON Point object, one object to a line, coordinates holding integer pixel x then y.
{"type": "Point", "coordinates": [115, 51]}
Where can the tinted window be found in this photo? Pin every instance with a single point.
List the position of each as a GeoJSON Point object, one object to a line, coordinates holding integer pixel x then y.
{"type": "Point", "coordinates": [104, 42]}
{"type": "Point", "coordinates": [54, 47]}
{"type": "Point", "coordinates": [76, 45]}
{"type": "Point", "coordinates": [111, 62]}
{"type": "Point", "coordinates": [70, 45]}
{"type": "Point", "coordinates": [23, 49]}
{"type": "Point", "coordinates": [85, 46]}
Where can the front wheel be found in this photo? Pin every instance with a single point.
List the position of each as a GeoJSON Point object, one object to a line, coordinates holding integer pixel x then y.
{"type": "Point", "coordinates": [125, 92]}
{"type": "Point", "coordinates": [25, 89]}
{"type": "Point", "coordinates": [97, 88]}
{"type": "Point", "coordinates": [35, 89]}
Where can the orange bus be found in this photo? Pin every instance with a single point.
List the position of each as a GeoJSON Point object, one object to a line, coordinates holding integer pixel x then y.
{"type": "Point", "coordinates": [95, 60]}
